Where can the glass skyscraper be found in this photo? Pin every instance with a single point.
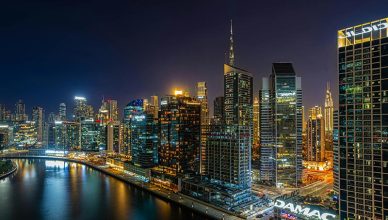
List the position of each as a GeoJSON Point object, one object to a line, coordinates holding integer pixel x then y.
{"type": "Point", "coordinates": [315, 135]}
{"type": "Point", "coordinates": [143, 135]}
{"type": "Point", "coordinates": [281, 127]}
{"type": "Point", "coordinates": [363, 121]}
{"type": "Point", "coordinates": [202, 98]}
{"type": "Point", "coordinates": [179, 135]}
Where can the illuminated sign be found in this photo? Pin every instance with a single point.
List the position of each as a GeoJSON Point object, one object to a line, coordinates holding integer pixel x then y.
{"type": "Point", "coordinates": [164, 102]}
{"type": "Point", "coordinates": [178, 92]}
{"type": "Point", "coordinates": [306, 211]}
{"type": "Point", "coordinates": [139, 117]}
{"type": "Point", "coordinates": [79, 98]}
{"type": "Point", "coordinates": [365, 30]}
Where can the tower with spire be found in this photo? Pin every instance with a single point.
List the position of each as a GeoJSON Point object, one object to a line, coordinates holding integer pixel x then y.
{"type": "Point", "coordinates": [329, 108]}
{"type": "Point", "coordinates": [229, 145]}
{"type": "Point", "coordinates": [231, 49]}
{"type": "Point", "coordinates": [238, 90]}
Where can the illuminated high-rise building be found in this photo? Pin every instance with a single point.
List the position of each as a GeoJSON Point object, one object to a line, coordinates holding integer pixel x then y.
{"type": "Point", "coordinates": [179, 135]}
{"type": "Point", "coordinates": [218, 115]}
{"type": "Point", "coordinates": [113, 110]}
{"type": "Point", "coordinates": [113, 137]}
{"type": "Point", "coordinates": [25, 134]}
{"type": "Point", "coordinates": [238, 96]}
{"type": "Point", "coordinates": [80, 108]}
{"type": "Point", "coordinates": [62, 112]}
{"type": "Point", "coordinates": [90, 134]}
{"type": "Point", "coordinates": [304, 125]}
{"type": "Point", "coordinates": [38, 118]}
{"type": "Point", "coordinates": [329, 108]}
{"type": "Point", "coordinates": [89, 113]}
{"type": "Point", "coordinates": [154, 105]}
{"type": "Point", "coordinates": [6, 132]}
{"type": "Point", "coordinates": [202, 98]}
{"type": "Point", "coordinates": [281, 127]}
{"type": "Point", "coordinates": [363, 120]}
{"type": "Point", "coordinates": [315, 135]}
{"type": "Point", "coordinates": [335, 153]}
{"type": "Point", "coordinates": [143, 135]}
{"type": "Point", "coordinates": [108, 111]}
{"type": "Point", "coordinates": [228, 149]}
{"type": "Point", "coordinates": [66, 135]}
{"type": "Point", "coordinates": [20, 111]}
{"type": "Point", "coordinates": [256, 117]}
{"type": "Point", "coordinates": [5, 114]}
{"type": "Point", "coordinates": [2, 112]}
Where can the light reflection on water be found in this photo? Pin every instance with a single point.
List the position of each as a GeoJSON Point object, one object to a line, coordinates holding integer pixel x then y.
{"type": "Point", "coordinates": [49, 189]}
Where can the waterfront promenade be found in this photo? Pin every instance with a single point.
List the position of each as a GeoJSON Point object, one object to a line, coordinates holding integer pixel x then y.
{"type": "Point", "coordinates": [178, 198]}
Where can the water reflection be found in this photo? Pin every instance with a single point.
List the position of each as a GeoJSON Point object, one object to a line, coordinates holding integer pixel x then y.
{"type": "Point", "coordinates": [48, 189]}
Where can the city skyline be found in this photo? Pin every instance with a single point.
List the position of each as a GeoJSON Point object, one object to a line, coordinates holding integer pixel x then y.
{"type": "Point", "coordinates": [33, 40]}
{"type": "Point", "coordinates": [136, 91]}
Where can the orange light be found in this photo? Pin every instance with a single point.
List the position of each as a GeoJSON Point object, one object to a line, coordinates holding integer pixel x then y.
{"type": "Point", "coordinates": [178, 92]}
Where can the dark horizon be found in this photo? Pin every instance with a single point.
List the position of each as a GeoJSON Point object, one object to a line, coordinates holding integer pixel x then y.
{"type": "Point", "coordinates": [53, 51]}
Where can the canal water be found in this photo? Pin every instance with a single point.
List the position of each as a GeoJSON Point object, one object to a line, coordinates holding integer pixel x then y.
{"type": "Point", "coordinates": [50, 189]}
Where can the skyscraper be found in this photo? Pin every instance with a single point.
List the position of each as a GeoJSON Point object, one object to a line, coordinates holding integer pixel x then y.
{"type": "Point", "coordinates": [218, 115]}
{"type": "Point", "coordinates": [179, 135]}
{"type": "Point", "coordinates": [90, 134]}
{"type": "Point", "coordinates": [66, 135]}
{"type": "Point", "coordinates": [202, 98]}
{"type": "Point", "coordinates": [62, 112]}
{"type": "Point", "coordinates": [256, 116]}
{"type": "Point", "coordinates": [256, 131]}
{"type": "Point", "coordinates": [363, 120]}
{"type": "Point", "coordinates": [80, 109]}
{"type": "Point", "coordinates": [112, 136]}
{"type": "Point", "coordinates": [329, 108]}
{"type": "Point", "coordinates": [315, 135]}
{"type": "Point", "coordinates": [281, 127]}
{"type": "Point", "coordinates": [238, 91]}
{"type": "Point", "coordinates": [228, 149]}
{"type": "Point", "coordinates": [38, 118]}
{"type": "Point", "coordinates": [113, 110]}
{"type": "Point", "coordinates": [143, 135]}
{"type": "Point", "coordinates": [154, 105]}
{"type": "Point", "coordinates": [335, 153]}
{"type": "Point", "coordinates": [20, 111]}
{"type": "Point", "coordinates": [108, 111]}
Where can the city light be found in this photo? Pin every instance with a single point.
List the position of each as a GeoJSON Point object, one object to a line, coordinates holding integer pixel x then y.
{"type": "Point", "coordinates": [232, 147]}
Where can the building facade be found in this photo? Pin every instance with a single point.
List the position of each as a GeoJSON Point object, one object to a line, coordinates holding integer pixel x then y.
{"type": "Point", "coordinates": [143, 135]}
{"type": "Point", "coordinates": [329, 108]}
{"type": "Point", "coordinates": [179, 135]}
{"type": "Point", "coordinates": [315, 135]}
{"type": "Point", "coordinates": [205, 121]}
{"type": "Point", "coordinates": [363, 120]}
{"type": "Point", "coordinates": [281, 127]}
{"type": "Point", "coordinates": [218, 114]}
{"type": "Point", "coordinates": [38, 118]}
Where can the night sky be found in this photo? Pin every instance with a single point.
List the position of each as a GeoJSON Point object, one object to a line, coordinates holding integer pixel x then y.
{"type": "Point", "coordinates": [52, 50]}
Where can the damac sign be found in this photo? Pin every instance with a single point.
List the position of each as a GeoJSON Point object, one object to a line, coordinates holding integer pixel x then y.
{"type": "Point", "coordinates": [306, 211]}
{"type": "Point", "coordinates": [365, 30]}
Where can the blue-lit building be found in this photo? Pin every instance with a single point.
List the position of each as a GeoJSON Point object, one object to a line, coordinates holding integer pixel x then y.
{"type": "Point", "coordinates": [143, 134]}
{"type": "Point", "coordinates": [90, 135]}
